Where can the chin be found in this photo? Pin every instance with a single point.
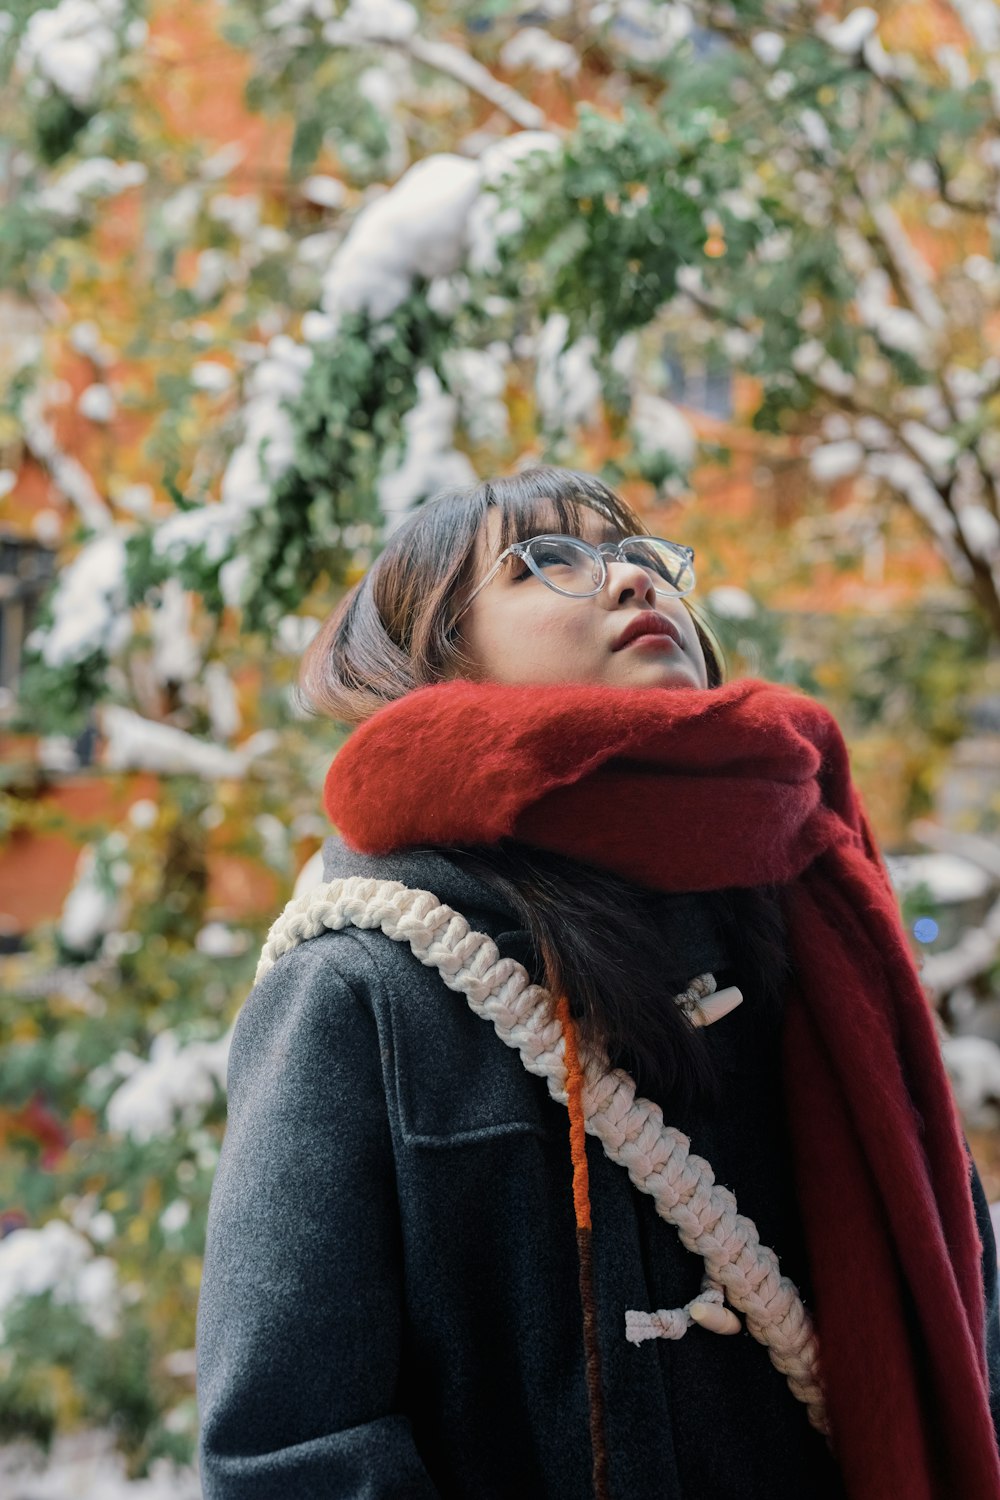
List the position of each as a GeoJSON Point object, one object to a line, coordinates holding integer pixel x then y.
{"type": "Point", "coordinates": [678, 675]}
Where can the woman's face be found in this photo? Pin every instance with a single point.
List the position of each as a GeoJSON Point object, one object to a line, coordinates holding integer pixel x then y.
{"type": "Point", "coordinates": [518, 630]}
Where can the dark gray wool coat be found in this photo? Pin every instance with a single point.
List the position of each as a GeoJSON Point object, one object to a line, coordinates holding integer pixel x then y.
{"type": "Point", "coordinates": [390, 1304]}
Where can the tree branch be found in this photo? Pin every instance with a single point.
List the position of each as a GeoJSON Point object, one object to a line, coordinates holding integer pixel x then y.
{"type": "Point", "coordinates": [68, 474]}
{"type": "Point", "coordinates": [446, 58]}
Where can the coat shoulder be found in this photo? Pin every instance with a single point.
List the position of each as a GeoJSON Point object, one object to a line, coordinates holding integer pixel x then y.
{"type": "Point", "coordinates": [448, 1077]}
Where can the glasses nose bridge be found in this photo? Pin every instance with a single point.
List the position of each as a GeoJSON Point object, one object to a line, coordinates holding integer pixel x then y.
{"type": "Point", "coordinates": [612, 552]}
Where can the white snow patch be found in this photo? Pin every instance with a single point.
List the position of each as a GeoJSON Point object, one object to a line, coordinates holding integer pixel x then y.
{"type": "Point", "coordinates": [135, 743]}
{"type": "Point", "coordinates": [268, 445]}
{"type": "Point", "coordinates": [317, 328]}
{"type": "Point", "coordinates": [175, 1216]}
{"type": "Point", "coordinates": [391, 20]}
{"type": "Point", "coordinates": [323, 190]}
{"type": "Point", "coordinates": [897, 327]}
{"type": "Point", "coordinates": [179, 213]}
{"type": "Point", "coordinates": [55, 752]}
{"type": "Point", "coordinates": [849, 35]}
{"type": "Point", "coordinates": [767, 47]}
{"type": "Point", "coordinates": [97, 403]}
{"type": "Point", "coordinates": [949, 877]}
{"type": "Point", "coordinates": [624, 358]}
{"type": "Point", "coordinates": [89, 910]}
{"type": "Point", "coordinates": [176, 1085]}
{"type": "Point", "coordinates": [212, 527]}
{"type": "Point", "coordinates": [981, 531]}
{"type": "Point", "coordinates": [731, 603]}
{"type": "Point", "coordinates": [222, 701]}
{"type": "Point", "coordinates": [143, 813]}
{"type": "Point", "coordinates": [97, 177]}
{"type": "Point", "coordinates": [660, 427]}
{"type": "Point", "coordinates": [222, 162]}
{"type": "Point", "coordinates": [644, 29]}
{"type": "Point", "coordinates": [137, 499]}
{"type": "Point", "coordinates": [214, 271]}
{"type": "Point", "coordinates": [430, 462]}
{"type": "Point", "coordinates": [478, 378]}
{"type": "Point", "coordinates": [234, 578]}
{"type": "Point", "coordinates": [904, 474]}
{"type": "Point", "coordinates": [176, 655]}
{"type": "Point", "coordinates": [217, 940]}
{"type": "Point", "coordinates": [488, 222]}
{"type": "Point", "coordinates": [416, 228]}
{"type": "Point", "coordinates": [423, 226]}
{"type": "Point", "coordinates": [567, 386]}
{"type": "Point", "coordinates": [294, 633]}
{"type": "Point", "coordinates": [212, 376]}
{"type": "Point", "coordinates": [67, 46]}
{"type": "Point", "coordinates": [973, 1065]}
{"type": "Point", "coordinates": [59, 1260]}
{"type": "Point", "coordinates": [531, 47]}
{"type": "Point", "coordinates": [88, 609]}
{"type": "Point", "coordinates": [264, 454]}
{"type": "Point", "coordinates": [936, 449]}
{"type": "Point", "coordinates": [85, 338]}
{"type": "Point", "coordinates": [832, 461]}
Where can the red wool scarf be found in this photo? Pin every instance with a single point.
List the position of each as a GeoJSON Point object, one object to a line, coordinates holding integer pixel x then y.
{"type": "Point", "coordinates": [687, 789]}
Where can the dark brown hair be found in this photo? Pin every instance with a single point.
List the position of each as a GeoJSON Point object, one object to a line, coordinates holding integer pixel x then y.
{"type": "Point", "coordinates": [597, 937]}
{"type": "Point", "coordinates": [393, 631]}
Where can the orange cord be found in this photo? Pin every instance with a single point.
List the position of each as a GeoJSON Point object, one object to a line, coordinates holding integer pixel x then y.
{"type": "Point", "coordinates": [577, 1132]}
{"type": "Point", "coordinates": [581, 1210]}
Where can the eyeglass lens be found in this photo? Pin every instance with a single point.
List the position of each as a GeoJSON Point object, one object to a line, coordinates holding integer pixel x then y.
{"type": "Point", "coordinates": [571, 567]}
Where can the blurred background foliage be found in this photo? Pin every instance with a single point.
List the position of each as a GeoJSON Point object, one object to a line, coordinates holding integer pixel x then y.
{"type": "Point", "coordinates": [271, 274]}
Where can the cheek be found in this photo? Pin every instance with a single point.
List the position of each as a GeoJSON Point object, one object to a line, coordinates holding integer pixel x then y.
{"type": "Point", "coordinates": [550, 626]}
{"type": "Point", "coordinates": [536, 632]}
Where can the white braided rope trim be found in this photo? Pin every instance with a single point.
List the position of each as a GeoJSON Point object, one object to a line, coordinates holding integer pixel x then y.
{"type": "Point", "coordinates": [632, 1132]}
{"type": "Point", "coordinates": [670, 1322]}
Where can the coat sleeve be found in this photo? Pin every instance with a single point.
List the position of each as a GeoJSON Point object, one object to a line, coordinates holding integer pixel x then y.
{"type": "Point", "coordinates": [992, 1296]}
{"type": "Point", "coordinates": [300, 1308]}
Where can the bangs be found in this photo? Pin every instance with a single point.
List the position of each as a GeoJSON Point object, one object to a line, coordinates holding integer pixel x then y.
{"type": "Point", "coordinates": [396, 629]}
{"type": "Point", "coordinates": [560, 501]}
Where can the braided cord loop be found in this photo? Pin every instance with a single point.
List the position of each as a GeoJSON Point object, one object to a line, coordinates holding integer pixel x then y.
{"type": "Point", "coordinates": [631, 1130]}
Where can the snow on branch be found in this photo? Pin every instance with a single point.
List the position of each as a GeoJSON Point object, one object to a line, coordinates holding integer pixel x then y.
{"type": "Point", "coordinates": [176, 1083]}
{"type": "Point", "coordinates": [395, 25]}
{"type": "Point", "coordinates": [133, 743]}
{"type": "Point", "coordinates": [68, 474]}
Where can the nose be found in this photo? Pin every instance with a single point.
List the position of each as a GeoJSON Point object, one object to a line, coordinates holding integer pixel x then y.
{"type": "Point", "coordinates": [626, 578]}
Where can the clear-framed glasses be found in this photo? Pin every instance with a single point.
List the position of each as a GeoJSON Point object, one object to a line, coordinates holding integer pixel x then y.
{"type": "Point", "coordinates": [575, 567]}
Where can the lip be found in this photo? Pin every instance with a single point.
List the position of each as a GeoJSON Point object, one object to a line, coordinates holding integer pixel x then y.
{"type": "Point", "coordinates": [647, 624]}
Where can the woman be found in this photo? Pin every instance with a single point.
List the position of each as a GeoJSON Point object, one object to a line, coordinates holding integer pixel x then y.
{"type": "Point", "coordinates": [422, 1278]}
